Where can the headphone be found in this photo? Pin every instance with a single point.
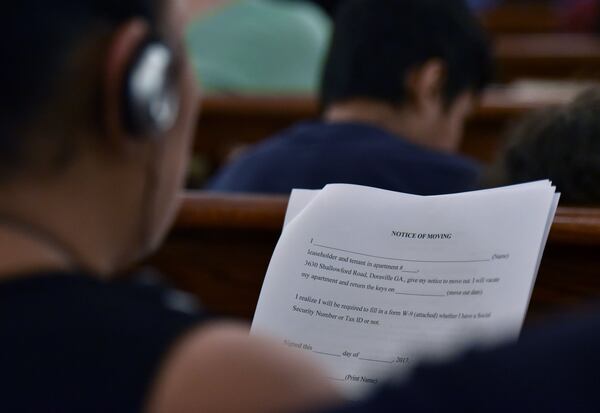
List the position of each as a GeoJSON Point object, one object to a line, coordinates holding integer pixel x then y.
{"type": "Point", "coordinates": [151, 95]}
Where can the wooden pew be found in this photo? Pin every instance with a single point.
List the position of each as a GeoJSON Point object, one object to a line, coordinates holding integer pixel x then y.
{"type": "Point", "coordinates": [228, 123]}
{"type": "Point", "coordinates": [547, 56]}
{"type": "Point", "coordinates": [522, 18]}
{"type": "Point", "coordinates": [221, 245]}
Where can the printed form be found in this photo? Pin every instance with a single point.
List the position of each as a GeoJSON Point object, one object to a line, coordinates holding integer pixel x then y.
{"type": "Point", "coordinates": [370, 282]}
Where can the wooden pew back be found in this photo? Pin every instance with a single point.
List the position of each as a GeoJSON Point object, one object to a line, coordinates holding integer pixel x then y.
{"type": "Point", "coordinates": [548, 56]}
{"type": "Point", "coordinates": [221, 245]}
{"type": "Point", "coordinates": [227, 124]}
{"type": "Point", "coordinates": [522, 18]}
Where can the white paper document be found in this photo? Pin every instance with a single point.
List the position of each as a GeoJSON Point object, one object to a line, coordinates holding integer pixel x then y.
{"type": "Point", "coordinates": [370, 282]}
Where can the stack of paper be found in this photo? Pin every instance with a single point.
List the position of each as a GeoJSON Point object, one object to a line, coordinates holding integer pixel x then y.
{"type": "Point", "coordinates": [370, 282]}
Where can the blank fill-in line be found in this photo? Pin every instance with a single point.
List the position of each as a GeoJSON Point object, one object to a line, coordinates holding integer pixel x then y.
{"type": "Point", "coordinates": [377, 361]}
{"type": "Point", "coordinates": [411, 272]}
{"type": "Point", "coordinates": [335, 379]}
{"type": "Point", "coordinates": [401, 259]}
{"type": "Point", "coordinates": [327, 354]}
{"type": "Point", "coordinates": [423, 295]}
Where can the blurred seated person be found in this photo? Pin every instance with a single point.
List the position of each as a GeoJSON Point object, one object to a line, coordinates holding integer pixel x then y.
{"type": "Point", "coordinates": [259, 47]}
{"type": "Point", "coordinates": [400, 79]}
{"type": "Point", "coordinates": [559, 143]}
{"type": "Point", "coordinates": [95, 131]}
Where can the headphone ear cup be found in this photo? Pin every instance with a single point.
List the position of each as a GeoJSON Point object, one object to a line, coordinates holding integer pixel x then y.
{"type": "Point", "coordinates": [150, 92]}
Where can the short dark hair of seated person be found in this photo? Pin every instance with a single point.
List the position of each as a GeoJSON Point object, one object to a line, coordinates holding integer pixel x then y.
{"type": "Point", "coordinates": [95, 132]}
{"type": "Point", "coordinates": [400, 78]}
{"type": "Point", "coordinates": [559, 143]}
{"type": "Point", "coordinates": [330, 6]}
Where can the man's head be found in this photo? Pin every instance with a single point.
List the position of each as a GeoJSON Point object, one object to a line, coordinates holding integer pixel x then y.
{"type": "Point", "coordinates": [558, 143]}
{"type": "Point", "coordinates": [427, 58]}
{"type": "Point", "coordinates": [65, 131]}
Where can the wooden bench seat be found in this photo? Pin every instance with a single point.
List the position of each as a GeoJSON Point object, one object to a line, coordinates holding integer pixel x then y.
{"type": "Point", "coordinates": [220, 247]}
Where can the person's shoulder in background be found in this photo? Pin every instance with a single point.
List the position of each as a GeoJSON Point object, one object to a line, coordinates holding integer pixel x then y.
{"type": "Point", "coordinates": [553, 368]}
{"type": "Point", "coordinates": [277, 164]}
{"type": "Point", "coordinates": [260, 46]}
{"type": "Point", "coordinates": [313, 154]}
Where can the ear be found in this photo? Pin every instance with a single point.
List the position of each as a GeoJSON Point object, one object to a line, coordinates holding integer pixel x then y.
{"type": "Point", "coordinates": [425, 83]}
{"type": "Point", "coordinates": [121, 51]}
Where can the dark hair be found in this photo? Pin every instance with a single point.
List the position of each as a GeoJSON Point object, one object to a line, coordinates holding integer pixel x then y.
{"type": "Point", "coordinates": [329, 6]}
{"type": "Point", "coordinates": [38, 37]}
{"type": "Point", "coordinates": [377, 42]}
{"type": "Point", "coordinates": [561, 144]}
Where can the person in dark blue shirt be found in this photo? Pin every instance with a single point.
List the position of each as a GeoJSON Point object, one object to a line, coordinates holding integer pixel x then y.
{"type": "Point", "coordinates": [400, 78]}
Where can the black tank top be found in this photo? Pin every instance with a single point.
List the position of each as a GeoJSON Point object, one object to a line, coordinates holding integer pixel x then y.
{"type": "Point", "coordinates": [72, 343]}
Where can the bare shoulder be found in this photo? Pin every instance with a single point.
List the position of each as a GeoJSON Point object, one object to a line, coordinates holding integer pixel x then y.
{"type": "Point", "coordinates": [220, 368]}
